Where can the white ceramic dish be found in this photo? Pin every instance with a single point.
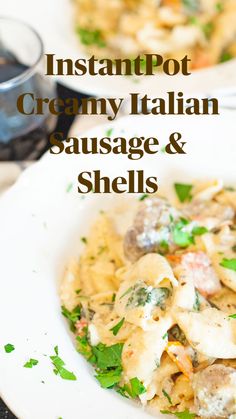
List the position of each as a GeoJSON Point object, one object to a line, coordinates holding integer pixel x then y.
{"type": "Point", "coordinates": [41, 225]}
{"type": "Point", "coordinates": [54, 21]}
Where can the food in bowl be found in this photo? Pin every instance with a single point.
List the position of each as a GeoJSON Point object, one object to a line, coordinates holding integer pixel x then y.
{"type": "Point", "coordinates": [205, 30]}
{"type": "Point", "coordinates": [153, 305]}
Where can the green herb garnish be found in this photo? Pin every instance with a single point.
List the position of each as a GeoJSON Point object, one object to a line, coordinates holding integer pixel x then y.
{"type": "Point", "coordinates": [109, 378]}
{"type": "Point", "coordinates": [115, 329]}
{"type": "Point", "coordinates": [183, 236]}
{"type": "Point", "coordinates": [73, 316]}
{"type": "Point", "coordinates": [199, 231]}
{"type": "Point", "coordinates": [91, 37]}
{"type": "Point", "coordinates": [132, 390]}
{"type": "Point", "coordinates": [208, 29]}
{"type": "Point", "coordinates": [167, 396]}
{"type": "Point", "coordinates": [181, 415]}
{"type": "Point", "coordinates": [225, 56]}
{"type": "Point", "coordinates": [183, 191]}
{"type": "Point", "coordinates": [9, 348]}
{"type": "Point", "coordinates": [142, 295]}
{"type": "Point", "coordinates": [232, 316]}
{"type": "Point", "coordinates": [59, 367]}
{"type": "Point", "coordinates": [219, 7]}
{"type": "Point", "coordinates": [69, 187]}
{"type": "Point", "coordinates": [143, 197]}
{"type": "Point", "coordinates": [229, 264]}
{"type": "Point", "coordinates": [108, 356]}
{"type": "Point", "coordinates": [109, 132]}
{"type": "Point", "coordinates": [31, 363]}
{"type": "Point", "coordinates": [84, 240]}
{"type": "Point", "coordinates": [197, 303]}
{"type": "Point", "coordinates": [84, 347]}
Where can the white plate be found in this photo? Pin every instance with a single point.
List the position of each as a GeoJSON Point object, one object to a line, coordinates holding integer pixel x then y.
{"type": "Point", "coordinates": [41, 225]}
{"type": "Point", "coordinates": [55, 22]}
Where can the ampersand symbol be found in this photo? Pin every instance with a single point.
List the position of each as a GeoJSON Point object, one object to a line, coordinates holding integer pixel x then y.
{"type": "Point", "coordinates": [174, 147]}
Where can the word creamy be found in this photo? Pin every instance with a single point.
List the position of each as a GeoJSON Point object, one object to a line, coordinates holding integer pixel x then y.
{"type": "Point", "coordinates": [175, 104]}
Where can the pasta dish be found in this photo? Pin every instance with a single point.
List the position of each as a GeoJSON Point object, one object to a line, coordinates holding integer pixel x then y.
{"type": "Point", "coordinates": [205, 30]}
{"type": "Point", "coordinates": [152, 304]}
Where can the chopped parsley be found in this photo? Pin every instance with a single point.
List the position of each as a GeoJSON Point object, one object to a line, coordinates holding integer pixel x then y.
{"type": "Point", "coordinates": [232, 316]}
{"type": "Point", "coordinates": [9, 348]}
{"type": "Point", "coordinates": [208, 29]}
{"type": "Point", "coordinates": [107, 360]}
{"type": "Point", "coordinates": [181, 415]}
{"type": "Point", "coordinates": [31, 363]}
{"type": "Point", "coordinates": [225, 56]}
{"type": "Point", "coordinates": [197, 303]}
{"type": "Point", "coordinates": [183, 191]}
{"type": "Point", "coordinates": [199, 231]}
{"type": "Point", "coordinates": [109, 132]}
{"type": "Point", "coordinates": [59, 367]}
{"type": "Point", "coordinates": [91, 37]}
{"type": "Point", "coordinates": [84, 240]}
{"type": "Point", "coordinates": [115, 329]}
{"type": "Point", "coordinates": [167, 396]}
{"type": "Point", "coordinates": [183, 235]}
{"type": "Point", "coordinates": [132, 390]}
{"type": "Point", "coordinates": [73, 316]}
{"type": "Point", "coordinates": [229, 264]}
{"type": "Point", "coordinates": [69, 187]}
{"type": "Point", "coordinates": [113, 298]}
{"type": "Point", "coordinates": [109, 378]}
{"type": "Point", "coordinates": [108, 356]}
{"type": "Point", "coordinates": [78, 291]}
{"type": "Point", "coordinates": [142, 295]}
{"type": "Point", "coordinates": [84, 347]}
{"type": "Point", "coordinates": [143, 197]}
{"type": "Point", "coordinates": [165, 336]}
{"type": "Point", "coordinates": [219, 7]}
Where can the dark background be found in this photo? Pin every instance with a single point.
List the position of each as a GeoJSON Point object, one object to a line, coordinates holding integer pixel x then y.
{"type": "Point", "coordinates": [63, 124]}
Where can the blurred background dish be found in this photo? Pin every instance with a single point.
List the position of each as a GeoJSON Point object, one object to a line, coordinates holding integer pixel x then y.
{"type": "Point", "coordinates": [202, 29]}
{"type": "Point", "coordinates": [59, 23]}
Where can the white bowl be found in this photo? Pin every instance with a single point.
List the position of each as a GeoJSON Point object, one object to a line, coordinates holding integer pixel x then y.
{"type": "Point", "coordinates": [41, 225]}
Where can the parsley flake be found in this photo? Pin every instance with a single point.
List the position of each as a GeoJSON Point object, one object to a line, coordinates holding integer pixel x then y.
{"type": "Point", "coordinates": [59, 368]}
{"type": "Point", "coordinates": [167, 396]}
{"type": "Point", "coordinates": [115, 329]}
{"type": "Point", "coordinates": [69, 187]}
{"type": "Point", "coordinates": [31, 363]}
{"type": "Point", "coordinates": [73, 316]}
{"type": "Point", "coordinates": [232, 316]}
{"type": "Point", "coordinates": [143, 197]}
{"type": "Point", "coordinates": [229, 264]}
{"type": "Point", "coordinates": [91, 37]}
{"type": "Point", "coordinates": [183, 191]}
{"type": "Point", "coordinates": [9, 348]}
{"type": "Point", "coordinates": [109, 132]}
{"type": "Point", "coordinates": [108, 356]}
{"type": "Point", "coordinates": [181, 415]}
{"type": "Point", "coordinates": [109, 378]}
{"type": "Point", "coordinates": [134, 389]}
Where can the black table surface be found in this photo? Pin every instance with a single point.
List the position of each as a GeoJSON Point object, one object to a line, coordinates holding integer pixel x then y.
{"type": "Point", "coordinates": [63, 125]}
